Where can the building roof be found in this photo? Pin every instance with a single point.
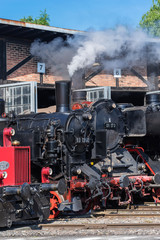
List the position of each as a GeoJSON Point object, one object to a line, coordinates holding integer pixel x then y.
{"type": "Point", "coordinates": [30, 31]}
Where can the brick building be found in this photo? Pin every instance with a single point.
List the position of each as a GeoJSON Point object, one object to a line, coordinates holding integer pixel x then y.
{"type": "Point", "coordinates": [17, 64]}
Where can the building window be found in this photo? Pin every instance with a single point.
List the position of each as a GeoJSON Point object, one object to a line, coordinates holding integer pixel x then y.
{"type": "Point", "coordinates": [19, 97]}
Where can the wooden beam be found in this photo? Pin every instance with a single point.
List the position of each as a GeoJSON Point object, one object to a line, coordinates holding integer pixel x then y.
{"type": "Point", "coordinates": [139, 76]}
{"type": "Point", "coordinates": [93, 74]}
{"type": "Point", "coordinates": [20, 64]}
{"type": "Point", "coordinates": [2, 60]}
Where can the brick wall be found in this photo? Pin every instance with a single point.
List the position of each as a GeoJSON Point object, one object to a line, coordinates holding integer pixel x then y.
{"type": "Point", "coordinates": [18, 51]}
{"type": "Point", "coordinates": [128, 79]}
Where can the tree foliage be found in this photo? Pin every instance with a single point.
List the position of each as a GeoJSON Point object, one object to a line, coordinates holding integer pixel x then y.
{"type": "Point", "coordinates": [43, 19]}
{"type": "Point", "coordinates": [151, 20]}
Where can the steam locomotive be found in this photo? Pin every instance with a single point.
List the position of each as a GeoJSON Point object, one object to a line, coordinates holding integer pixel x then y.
{"type": "Point", "coordinates": [98, 155]}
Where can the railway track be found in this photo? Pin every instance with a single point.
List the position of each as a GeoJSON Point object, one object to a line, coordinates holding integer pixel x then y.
{"type": "Point", "coordinates": [99, 226]}
{"type": "Point", "coordinates": [126, 215]}
{"type": "Point", "coordinates": [133, 217]}
{"type": "Point", "coordinates": [132, 211]}
{"type": "Point", "coordinates": [139, 212]}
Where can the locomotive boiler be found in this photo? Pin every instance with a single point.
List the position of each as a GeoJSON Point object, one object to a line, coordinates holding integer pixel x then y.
{"type": "Point", "coordinates": [97, 156]}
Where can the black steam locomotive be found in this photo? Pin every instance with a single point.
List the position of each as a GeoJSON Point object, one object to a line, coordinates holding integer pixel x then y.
{"type": "Point", "coordinates": [106, 155]}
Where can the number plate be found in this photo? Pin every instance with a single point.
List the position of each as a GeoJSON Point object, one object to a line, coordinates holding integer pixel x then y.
{"type": "Point", "coordinates": [40, 67]}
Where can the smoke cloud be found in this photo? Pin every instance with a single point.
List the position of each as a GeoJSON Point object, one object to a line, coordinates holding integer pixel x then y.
{"type": "Point", "coordinates": [56, 55]}
{"type": "Point", "coordinates": [118, 48]}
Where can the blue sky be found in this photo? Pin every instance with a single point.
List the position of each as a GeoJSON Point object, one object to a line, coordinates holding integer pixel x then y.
{"type": "Point", "coordinates": [79, 14]}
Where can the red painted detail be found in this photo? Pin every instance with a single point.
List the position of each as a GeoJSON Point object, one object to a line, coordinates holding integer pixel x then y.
{"type": "Point", "coordinates": [137, 150]}
{"type": "Point", "coordinates": [144, 178]}
{"type": "Point", "coordinates": [4, 115]}
{"type": "Point", "coordinates": [77, 106]}
{"type": "Point", "coordinates": [96, 207]}
{"type": "Point", "coordinates": [130, 146]}
{"type": "Point", "coordinates": [45, 172]}
{"type": "Point", "coordinates": [7, 134]}
{"type": "Point", "coordinates": [15, 161]}
{"type": "Point", "coordinates": [115, 181]}
{"type": "Point", "coordinates": [69, 196]}
{"type": "Point", "coordinates": [81, 105]}
{"type": "Point", "coordinates": [77, 184]}
{"type": "Point", "coordinates": [86, 208]}
{"type": "Point", "coordinates": [104, 175]}
{"type": "Point", "coordinates": [156, 195]}
{"type": "Point", "coordinates": [1, 175]}
{"type": "Point", "coordinates": [144, 193]}
{"type": "Point", "coordinates": [126, 202]}
{"type": "Point", "coordinates": [55, 200]}
{"type": "Point", "coordinates": [87, 103]}
{"type": "Point", "coordinates": [74, 177]}
{"type": "Point", "coordinates": [85, 195]}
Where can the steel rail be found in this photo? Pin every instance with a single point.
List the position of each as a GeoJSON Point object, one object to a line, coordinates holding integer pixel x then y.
{"type": "Point", "coordinates": [98, 226]}
{"type": "Point", "coordinates": [109, 211]}
{"type": "Point", "coordinates": [126, 215]}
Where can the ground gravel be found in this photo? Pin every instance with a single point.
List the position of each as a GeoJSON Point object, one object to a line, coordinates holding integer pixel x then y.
{"type": "Point", "coordinates": [33, 230]}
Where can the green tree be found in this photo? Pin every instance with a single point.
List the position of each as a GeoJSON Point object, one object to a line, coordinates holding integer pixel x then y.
{"type": "Point", "coordinates": [151, 20]}
{"type": "Point", "coordinates": [43, 19]}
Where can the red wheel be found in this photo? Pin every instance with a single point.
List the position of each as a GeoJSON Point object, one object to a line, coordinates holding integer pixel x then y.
{"type": "Point", "coordinates": [54, 201]}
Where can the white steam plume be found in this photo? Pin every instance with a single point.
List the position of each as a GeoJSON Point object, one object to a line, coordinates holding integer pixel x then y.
{"type": "Point", "coordinates": [112, 48]}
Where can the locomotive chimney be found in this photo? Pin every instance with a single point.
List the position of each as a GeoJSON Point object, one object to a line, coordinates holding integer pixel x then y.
{"type": "Point", "coordinates": [153, 97]}
{"type": "Point", "coordinates": [79, 96]}
{"type": "Point", "coordinates": [63, 89]}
